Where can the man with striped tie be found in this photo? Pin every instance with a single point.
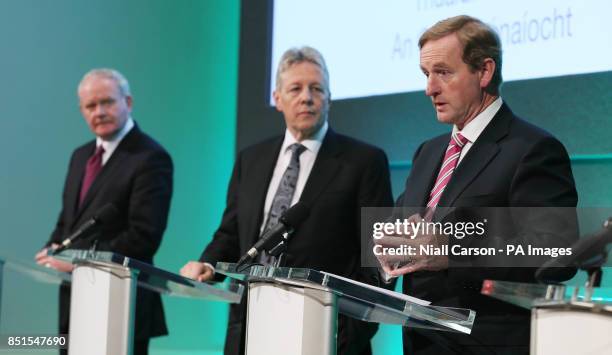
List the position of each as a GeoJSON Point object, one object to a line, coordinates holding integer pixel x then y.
{"type": "Point", "coordinates": [491, 158]}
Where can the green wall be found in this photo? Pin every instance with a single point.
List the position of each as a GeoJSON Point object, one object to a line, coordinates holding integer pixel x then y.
{"type": "Point", "coordinates": [181, 58]}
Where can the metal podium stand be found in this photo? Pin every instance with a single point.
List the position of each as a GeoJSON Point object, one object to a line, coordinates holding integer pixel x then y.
{"type": "Point", "coordinates": [294, 310]}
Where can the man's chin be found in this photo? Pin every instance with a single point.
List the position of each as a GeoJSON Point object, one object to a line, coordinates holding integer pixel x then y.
{"type": "Point", "coordinates": [313, 128]}
{"type": "Point", "coordinates": [105, 132]}
{"type": "Point", "coordinates": [307, 132]}
{"type": "Point", "coordinates": [444, 118]}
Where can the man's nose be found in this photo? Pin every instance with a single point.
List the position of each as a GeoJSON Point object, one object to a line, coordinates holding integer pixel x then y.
{"type": "Point", "coordinates": [433, 87]}
{"type": "Point", "coordinates": [306, 95]}
{"type": "Point", "coordinates": [100, 110]}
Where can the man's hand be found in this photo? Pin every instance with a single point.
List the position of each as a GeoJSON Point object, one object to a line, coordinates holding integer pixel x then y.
{"type": "Point", "coordinates": [391, 262]}
{"type": "Point", "coordinates": [397, 265]}
{"type": "Point", "coordinates": [197, 271]}
{"type": "Point", "coordinates": [43, 259]}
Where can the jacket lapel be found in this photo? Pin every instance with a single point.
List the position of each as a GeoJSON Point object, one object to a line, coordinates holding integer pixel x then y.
{"type": "Point", "coordinates": [324, 169]}
{"type": "Point", "coordinates": [425, 175]}
{"type": "Point", "coordinates": [257, 187]}
{"type": "Point", "coordinates": [114, 163]}
{"type": "Point", "coordinates": [480, 154]}
{"type": "Point", "coordinates": [73, 186]}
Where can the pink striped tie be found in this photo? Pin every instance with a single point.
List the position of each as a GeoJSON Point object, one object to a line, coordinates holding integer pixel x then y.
{"type": "Point", "coordinates": [453, 152]}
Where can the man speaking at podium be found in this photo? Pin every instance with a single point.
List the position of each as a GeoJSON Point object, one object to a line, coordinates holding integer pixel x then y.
{"type": "Point", "coordinates": [125, 167]}
{"type": "Point", "coordinates": [331, 173]}
{"type": "Point", "coordinates": [491, 158]}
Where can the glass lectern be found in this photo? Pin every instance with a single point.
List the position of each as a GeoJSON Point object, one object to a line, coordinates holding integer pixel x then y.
{"type": "Point", "coordinates": [294, 310]}
{"type": "Point", "coordinates": [103, 293]}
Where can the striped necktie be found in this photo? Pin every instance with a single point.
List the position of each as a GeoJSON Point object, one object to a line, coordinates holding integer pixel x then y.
{"type": "Point", "coordinates": [451, 158]}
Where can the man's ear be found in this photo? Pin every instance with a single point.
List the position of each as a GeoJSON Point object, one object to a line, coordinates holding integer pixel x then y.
{"type": "Point", "coordinates": [128, 102]}
{"type": "Point", "coordinates": [487, 71]}
{"type": "Point", "coordinates": [277, 100]}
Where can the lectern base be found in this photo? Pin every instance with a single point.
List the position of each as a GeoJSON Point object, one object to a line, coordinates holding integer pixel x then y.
{"type": "Point", "coordinates": [569, 331]}
{"type": "Point", "coordinates": [101, 322]}
{"type": "Point", "coordinates": [312, 314]}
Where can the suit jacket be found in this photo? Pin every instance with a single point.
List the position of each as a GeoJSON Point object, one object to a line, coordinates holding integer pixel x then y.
{"type": "Point", "coordinates": [347, 175]}
{"type": "Point", "coordinates": [511, 164]}
{"type": "Point", "coordinates": [137, 179]}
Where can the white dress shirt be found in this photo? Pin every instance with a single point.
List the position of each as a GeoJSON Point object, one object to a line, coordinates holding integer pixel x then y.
{"type": "Point", "coordinates": [307, 159]}
{"type": "Point", "coordinates": [111, 144]}
{"type": "Point", "coordinates": [474, 128]}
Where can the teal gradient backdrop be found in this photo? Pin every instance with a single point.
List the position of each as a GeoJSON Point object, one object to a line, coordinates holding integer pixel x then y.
{"type": "Point", "coordinates": [181, 58]}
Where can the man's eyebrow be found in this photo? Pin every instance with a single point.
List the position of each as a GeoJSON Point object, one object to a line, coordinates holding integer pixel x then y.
{"type": "Point", "coordinates": [440, 65]}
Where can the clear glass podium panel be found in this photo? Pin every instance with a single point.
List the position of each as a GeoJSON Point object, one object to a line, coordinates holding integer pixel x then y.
{"type": "Point", "coordinates": [359, 300]}
{"type": "Point", "coordinates": [156, 279]}
{"type": "Point", "coordinates": [28, 297]}
{"type": "Point", "coordinates": [528, 295]}
{"type": "Point", "coordinates": [34, 271]}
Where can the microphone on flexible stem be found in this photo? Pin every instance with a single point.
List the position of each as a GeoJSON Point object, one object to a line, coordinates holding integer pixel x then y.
{"type": "Point", "coordinates": [107, 213]}
{"type": "Point", "coordinates": [587, 253]}
{"type": "Point", "coordinates": [279, 233]}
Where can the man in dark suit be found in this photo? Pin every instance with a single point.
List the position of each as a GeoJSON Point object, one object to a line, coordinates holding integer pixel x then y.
{"type": "Point", "coordinates": [333, 174]}
{"type": "Point", "coordinates": [125, 167]}
{"type": "Point", "coordinates": [492, 158]}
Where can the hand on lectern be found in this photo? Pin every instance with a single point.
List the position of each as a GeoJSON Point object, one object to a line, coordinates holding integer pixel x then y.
{"type": "Point", "coordinates": [407, 256]}
{"type": "Point", "coordinates": [197, 271]}
{"type": "Point", "coordinates": [42, 258]}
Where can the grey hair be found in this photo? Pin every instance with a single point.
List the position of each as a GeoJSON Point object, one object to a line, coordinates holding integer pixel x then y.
{"type": "Point", "coordinates": [299, 55]}
{"type": "Point", "coordinates": [112, 74]}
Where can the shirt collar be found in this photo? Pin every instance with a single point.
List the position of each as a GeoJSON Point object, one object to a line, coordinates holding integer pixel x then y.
{"type": "Point", "coordinates": [111, 144]}
{"type": "Point", "coordinates": [312, 144]}
{"type": "Point", "coordinates": [474, 128]}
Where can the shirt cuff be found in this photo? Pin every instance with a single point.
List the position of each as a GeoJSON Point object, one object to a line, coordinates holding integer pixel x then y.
{"type": "Point", "coordinates": [211, 267]}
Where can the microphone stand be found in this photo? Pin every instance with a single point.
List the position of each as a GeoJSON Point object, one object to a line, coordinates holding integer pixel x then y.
{"type": "Point", "coordinates": [595, 273]}
{"type": "Point", "coordinates": [278, 250]}
{"type": "Point", "coordinates": [593, 268]}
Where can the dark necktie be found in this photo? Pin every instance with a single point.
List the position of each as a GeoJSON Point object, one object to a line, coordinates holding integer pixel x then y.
{"type": "Point", "coordinates": [284, 193]}
{"type": "Point", "coordinates": [94, 165]}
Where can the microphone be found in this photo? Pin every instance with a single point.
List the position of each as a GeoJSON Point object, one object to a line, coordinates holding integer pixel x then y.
{"type": "Point", "coordinates": [286, 225]}
{"type": "Point", "coordinates": [106, 213]}
{"type": "Point", "coordinates": [587, 252]}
